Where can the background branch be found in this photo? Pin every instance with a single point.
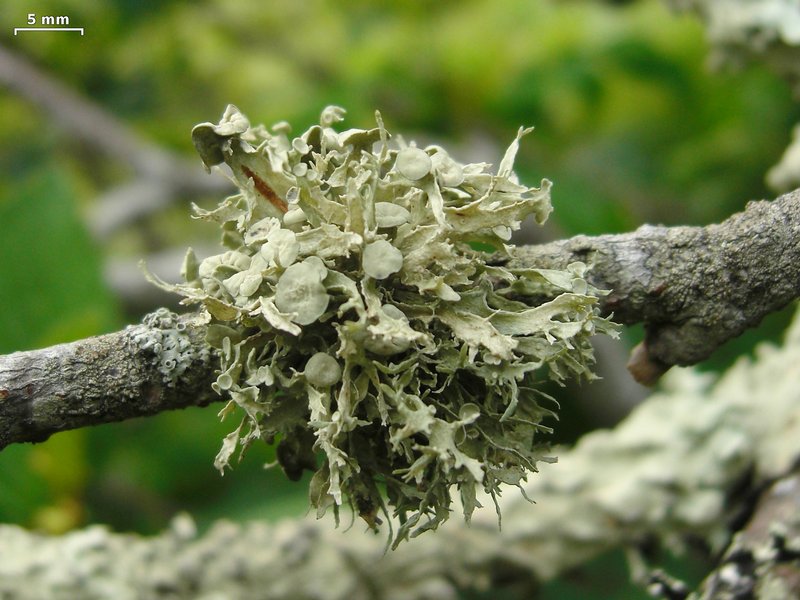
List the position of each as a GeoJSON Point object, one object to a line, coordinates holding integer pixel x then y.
{"type": "Point", "coordinates": [764, 557]}
{"type": "Point", "coordinates": [162, 177]}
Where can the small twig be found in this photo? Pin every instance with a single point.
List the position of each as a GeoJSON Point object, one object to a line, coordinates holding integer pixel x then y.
{"type": "Point", "coordinates": [141, 370]}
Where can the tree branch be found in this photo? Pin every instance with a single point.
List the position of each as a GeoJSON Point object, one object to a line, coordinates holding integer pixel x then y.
{"type": "Point", "coordinates": [693, 287]}
{"type": "Point", "coordinates": [764, 558]}
{"type": "Point", "coordinates": [163, 364]}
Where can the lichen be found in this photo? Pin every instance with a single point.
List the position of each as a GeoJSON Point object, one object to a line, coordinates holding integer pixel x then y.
{"type": "Point", "coordinates": [166, 339]}
{"type": "Point", "coordinates": [358, 323]}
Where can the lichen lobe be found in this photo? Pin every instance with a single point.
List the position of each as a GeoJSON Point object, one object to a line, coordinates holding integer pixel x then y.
{"type": "Point", "coordinates": [364, 329]}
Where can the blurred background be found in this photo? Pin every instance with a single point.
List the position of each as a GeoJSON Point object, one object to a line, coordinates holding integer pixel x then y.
{"type": "Point", "coordinates": [97, 170]}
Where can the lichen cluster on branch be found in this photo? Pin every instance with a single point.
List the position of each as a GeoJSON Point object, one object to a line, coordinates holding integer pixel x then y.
{"type": "Point", "coordinates": [360, 323]}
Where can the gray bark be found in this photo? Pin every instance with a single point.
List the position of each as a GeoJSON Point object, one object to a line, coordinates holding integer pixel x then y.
{"type": "Point", "coordinates": [142, 370]}
{"type": "Point", "coordinates": [763, 561]}
{"type": "Point", "coordinates": [694, 288]}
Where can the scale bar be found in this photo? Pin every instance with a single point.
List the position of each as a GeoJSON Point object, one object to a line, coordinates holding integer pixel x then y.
{"type": "Point", "coordinates": [16, 29]}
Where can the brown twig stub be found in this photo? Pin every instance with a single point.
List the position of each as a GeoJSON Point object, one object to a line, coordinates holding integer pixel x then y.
{"type": "Point", "coordinates": [694, 288]}
{"type": "Point", "coordinates": [643, 367]}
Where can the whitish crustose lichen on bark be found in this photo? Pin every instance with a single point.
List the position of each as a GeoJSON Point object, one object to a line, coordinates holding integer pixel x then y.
{"type": "Point", "coordinates": [361, 324]}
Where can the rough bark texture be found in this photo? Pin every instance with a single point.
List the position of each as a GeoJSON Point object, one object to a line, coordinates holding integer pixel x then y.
{"type": "Point", "coordinates": [139, 371]}
{"type": "Point", "coordinates": [694, 288]}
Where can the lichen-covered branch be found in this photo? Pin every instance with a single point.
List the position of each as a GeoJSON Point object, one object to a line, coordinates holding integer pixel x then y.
{"type": "Point", "coordinates": [694, 288]}
{"type": "Point", "coordinates": [160, 365]}
{"type": "Point", "coordinates": [763, 561]}
{"type": "Point", "coordinates": [670, 470]}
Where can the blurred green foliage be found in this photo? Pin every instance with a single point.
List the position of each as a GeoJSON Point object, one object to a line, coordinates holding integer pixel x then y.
{"type": "Point", "coordinates": [631, 127]}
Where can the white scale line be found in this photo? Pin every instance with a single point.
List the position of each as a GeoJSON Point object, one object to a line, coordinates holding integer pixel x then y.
{"type": "Point", "coordinates": [16, 29]}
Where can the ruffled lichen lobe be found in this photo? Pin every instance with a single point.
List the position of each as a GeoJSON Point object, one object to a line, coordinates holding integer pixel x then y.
{"type": "Point", "coordinates": [358, 323]}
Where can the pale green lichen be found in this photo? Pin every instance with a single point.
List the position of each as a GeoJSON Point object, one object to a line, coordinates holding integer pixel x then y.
{"type": "Point", "coordinates": [358, 324]}
{"type": "Point", "coordinates": [323, 370]}
{"type": "Point", "coordinates": [166, 340]}
{"type": "Point", "coordinates": [380, 259]}
{"type": "Point", "coordinates": [413, 163]}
